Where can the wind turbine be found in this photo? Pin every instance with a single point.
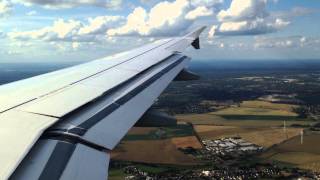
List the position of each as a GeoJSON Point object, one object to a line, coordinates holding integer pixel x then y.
{"type": "Point", "coordinates": [301, 136]}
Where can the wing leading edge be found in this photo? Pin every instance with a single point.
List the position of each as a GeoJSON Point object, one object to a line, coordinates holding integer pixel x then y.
{"type": "Point", "coordinates": [63, 124]}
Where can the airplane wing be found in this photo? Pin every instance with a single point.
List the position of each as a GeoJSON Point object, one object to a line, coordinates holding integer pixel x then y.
{"type": "Point", "coordinates": [62, 125]}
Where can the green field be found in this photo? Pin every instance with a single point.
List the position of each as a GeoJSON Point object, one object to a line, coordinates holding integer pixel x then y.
{"type": "Point", "coordinates": [180, 130]}
{"type": "Point", "coordinates": [116, 174]}
{"type": "Point", "coordinates": [255, 121]}
{"type": "Point", "coordinates": [248, 114]}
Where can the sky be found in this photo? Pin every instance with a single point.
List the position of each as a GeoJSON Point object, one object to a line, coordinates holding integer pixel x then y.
{"type": "Point", "coordinates": [84, 30]}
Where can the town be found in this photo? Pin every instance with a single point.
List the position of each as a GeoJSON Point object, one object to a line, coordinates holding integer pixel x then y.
{"type": "Point", "coordinates": [224, 155]}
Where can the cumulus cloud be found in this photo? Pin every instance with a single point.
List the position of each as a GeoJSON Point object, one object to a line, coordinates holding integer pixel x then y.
{"type": "Point", "coordinates": [207, 3]}
{"type": "Point", "coordinates": [75, 45]}
{"type": "Point", "coordinates": [56, 4]}
{"type": "Point", "coordinates": [163, 16]}
{"type": "Point", "coordinates": [244, 10]}
{"type": "Point", "coordinates": [99, 25]}
{"type": "Point", "coordinates": [31, 13]}
{"type": "Point", "coordinates": [286, 42]}
{"type": "Point", "coordinates": [294, 12]}
{"type": "Point", "coordinates": [69, 30]}
{"type": "Point", "coordinates": [246, 17]}
{"type": "Point", "coordinates": [198, 12]}
{"type": "Point", "coordinates": [5, 8]}
{"type": "Point", "coordinates": [212, 31]}
{"type": "Point", "coordinates": [2, 35]}
{"type": "Point", "coordinates": [60, 30]}
{"type": "Point", "coordinates": [166, 18]}
{"type": "Point", "coordinates": [258, 26]}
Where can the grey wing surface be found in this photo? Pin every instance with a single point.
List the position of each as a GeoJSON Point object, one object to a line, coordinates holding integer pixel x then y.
{"type": "Point", "coordinates": [62, 125]}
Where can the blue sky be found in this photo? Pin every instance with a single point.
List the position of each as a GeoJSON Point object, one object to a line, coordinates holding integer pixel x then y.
{"type": "Point", "coordinates": [66, 30]}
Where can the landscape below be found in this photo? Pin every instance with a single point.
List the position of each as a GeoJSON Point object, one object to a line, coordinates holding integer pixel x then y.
{"type": "Point", "coordinates": [274, 111]}
{"type": "Point", "coordinates": [255, 120]}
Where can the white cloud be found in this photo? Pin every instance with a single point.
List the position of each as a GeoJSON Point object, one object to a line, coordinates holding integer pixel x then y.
{"type": "Point", "coordinates": [164, 16]}
{"type": "Point", "coordinates": [60, 30]}
{"type": "Point", "coordinates": [198, 12]}
{"type": "Point", "coordinates": [64, 28]}
{"type": "Point", "coordinates": [56, 4]}
{"type": "Point", "coordinates": [31, 13]}
{"type": "Point", "coordinates": [99, 24]}
{"type": "Point", "coordinates": [286, 42]}
{"type": "Point", "coordinates": [255, 27]}
{"type": "Point", "coordinates": [303, 39]}
{"type": "Point", "coordinates": [167, 18]}
{"type": "Point", "coordinates": [2, 34]}
{"type": "Point", "coordinates": [69, 30]}
{"type": "Point", "coordinates": [212, 31]}
{"type": "Point", "coordinates": [206, 3]}
{"type": "Point", "coordinates": [75, 45]}
{"type": "Point", "coordinates": [233, 26]}
{"type": "Point", "coordinates": [5, 8]}
{"type": "Point", "coordinates": [280, 23]}
{"type": "Point", "coordinates": [244, 10]}
{"type": "Point", "coordinates": [13, 52]}
{"type": "Point", "coordinates": [294, 12]}
{"type": "Point", "coordinates": [246, 17]}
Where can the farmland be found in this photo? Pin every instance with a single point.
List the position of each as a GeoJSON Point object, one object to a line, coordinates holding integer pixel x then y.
{"type": "Point", "coordinates": [161, 145]}
{"type": "Point", "coordinates": [258, 106]}
{"type": "Point", "coordinates": [304, 155]}
{"type": "Point", "coordinates": [248, 114]}
{"type": "Point", "coordinates": [154, 151]}
{"type": "Point", "coordinates": [158, 145]}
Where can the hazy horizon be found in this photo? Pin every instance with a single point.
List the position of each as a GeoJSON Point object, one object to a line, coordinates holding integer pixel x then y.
{"type": "Point", "coordinates": [34, 31]}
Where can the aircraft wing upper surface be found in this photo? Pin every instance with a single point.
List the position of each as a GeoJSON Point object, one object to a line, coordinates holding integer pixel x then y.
{"type": "Point", "coordinates": [61, 125]}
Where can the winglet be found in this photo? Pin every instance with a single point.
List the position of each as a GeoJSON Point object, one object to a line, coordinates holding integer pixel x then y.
{"type": "Point", "coordinates": [191, 38]}
{"type": "Point", "coordinates": [195, 35]}
{"type": "Point", "coordinates": [196, 43]}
